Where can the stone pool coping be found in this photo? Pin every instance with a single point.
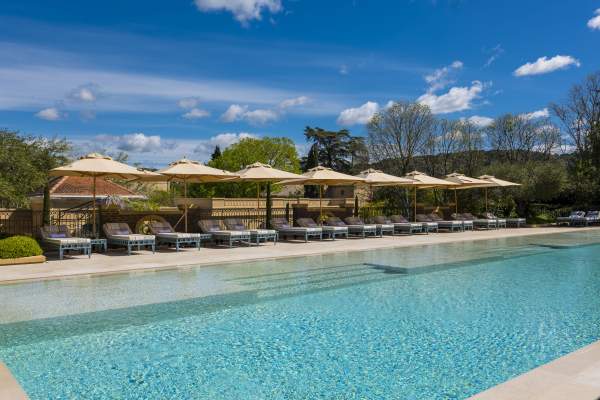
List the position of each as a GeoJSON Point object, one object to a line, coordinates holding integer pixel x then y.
{"type": "Point", "coordinates": [118, 261]}
{"type": "Point", "coordinates": [575, 376]}
{"type": "Point", "coordinates": [9, 387]}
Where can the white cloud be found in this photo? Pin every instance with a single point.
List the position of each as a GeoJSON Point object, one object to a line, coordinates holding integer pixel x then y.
{"type": "Point", "coordinates": [242, 10]}
{"type": "Point", "coordinates": [233, 113]}
{"type": "Point", "coordinates": [133, 142]}
{"type": "Point", "coordinates": [545, 65]}
{"type": "Point", "coordinates": [188, 103]}
{"type": "Point", "coordinates": [260, 116]}
{"type": "Point", "coordinates": [296, 101]}
{"type": "Point", "coordinates": [496, 52]}
{"type": "Point", "coordinates": [196, 113]}
{"type": "Point", "coordinates": [543, 113]}
{"type": "Point", "coordinates": [344, 70]}
{"type": "Point", "coordinates": [440, 78]}
{"type": "Point", "coordinates": [85, 93]}
{"type": "Point", "coordinates": [236, 112]}
{"type": "Point", "coordinates": [594, 23]}
{"type": "Point", "coordinates": [154, 150]}
{"type": "Point", "coordinates": [28, 88]}
{"type": "Point", "coordinates": [358, 115]}
{"type": "Point", "coordinates": [457, 99]}
{"type": "Point", "coordinates": [50, 114]}
{"type": "Point", "coordinates": [480, 121]}
{"type": "Point", "coordinates": [204, 148]}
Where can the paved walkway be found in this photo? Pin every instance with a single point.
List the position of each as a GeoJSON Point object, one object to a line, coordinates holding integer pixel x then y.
{"type": "Point", "coordinates": [118, 261]}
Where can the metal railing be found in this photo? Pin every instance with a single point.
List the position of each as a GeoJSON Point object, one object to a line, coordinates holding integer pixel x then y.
{"type": "Point", "coordinates": [251, 217]}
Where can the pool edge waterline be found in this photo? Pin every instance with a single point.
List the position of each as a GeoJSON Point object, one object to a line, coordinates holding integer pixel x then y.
{"type": "Point", "coordinates": [101, 264]}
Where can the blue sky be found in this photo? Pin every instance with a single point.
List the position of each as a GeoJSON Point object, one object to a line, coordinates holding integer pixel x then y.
{"type": "Point", "coordinates": [160, 80]}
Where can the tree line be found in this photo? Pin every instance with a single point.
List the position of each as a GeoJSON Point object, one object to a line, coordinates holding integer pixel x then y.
{"type": "Point", "coordinates": [557, 158]}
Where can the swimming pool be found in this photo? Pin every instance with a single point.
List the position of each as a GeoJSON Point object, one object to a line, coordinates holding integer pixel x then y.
{"type": "Point", "coordinates": [442, 321]}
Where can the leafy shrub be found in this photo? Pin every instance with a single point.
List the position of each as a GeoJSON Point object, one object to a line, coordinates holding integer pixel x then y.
{"type": "Point", "coordinates": [19, 246]}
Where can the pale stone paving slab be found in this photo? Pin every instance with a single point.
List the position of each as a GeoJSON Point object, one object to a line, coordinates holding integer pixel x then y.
{"type": "Point", "coordinates": [118, 260]}
{"type": "Point", "coordinates": [9, 387]}
{"type": "Point", "coordinates": [575, 376]}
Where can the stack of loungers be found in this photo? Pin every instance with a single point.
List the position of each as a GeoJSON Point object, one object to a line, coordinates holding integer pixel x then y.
{"type": "Point", "coordinates": [220, 235]}
{"type": "Point", "coordinates": [286, 230]}
{"type": "Point", "coordinates": [449, 225]}
{"type": "Point", "coordinates": [256, 235]}
{"type": "Point", "coordinates": [331, 232]}
{"type": "Point", "coordinates": [354, 229]}
{"type": "Point", "coordinates": [402, 225]}
{"type": "Point", "coordinates": [165, 234]}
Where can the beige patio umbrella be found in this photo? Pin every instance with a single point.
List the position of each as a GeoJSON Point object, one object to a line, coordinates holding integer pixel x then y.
{"type": "Point", "coordinates": [464, 182]}
{"type": "Point", "coordinates": [186, 170]}
{"type": "Point", "coordinates": [323, 176]}
{"type": "Point", "coordinates": [263, 173]}
{"type": "Point", "coordinates": [492, 181]}
{"type": "Point", "coordinates": [424, 181]}
{"type": "Point", "coordinates": [374, 177]}
{"type": "Point", "coordinates": [96, 165]}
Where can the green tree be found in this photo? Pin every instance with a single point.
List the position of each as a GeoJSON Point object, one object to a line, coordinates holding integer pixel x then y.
{"type": "Point", "coordinates": [216, 153]}
{"type": "Point", "coordinates": [24, 164]}
{"type": "Point", "coordinates": [335, 148]}
{"type": "Point", "coordinates": [278, 152]}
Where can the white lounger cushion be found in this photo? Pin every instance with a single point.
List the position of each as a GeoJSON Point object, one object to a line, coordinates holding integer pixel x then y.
{"type": "Point", "coordinates": [67, 240]}
{"type": "Point", "coordinates": [132, 237]}
{"type": "Point", "coordinates": [335, 228]}
{"type": "Point", "coordinates": [231, 233]}
{"type": "Point", "coordinates": [263, 231]}
{"type": "Point", "coordinates": [179, 235]}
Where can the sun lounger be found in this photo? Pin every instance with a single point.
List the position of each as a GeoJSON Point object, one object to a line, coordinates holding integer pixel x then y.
{"type": "Point", "coordinates": [59, 237]}
{"type": "Point", "coordinates": [480, 223]}
{"type": "Point", "coordinates": [467, 223]}
{"type": "Point", "coordinates": [384, 225]}
{"type": "Point", "coordinates": [402, 225]}
{"type": "Point", "coordinates": [359, 230]}
{"type": "Point", "coordinates": [165, 234]}
{"type": "Point", "coordinates": [449, 225]}
{"type": "Point", "coordinates": [329, 231]}
{"type": "Point", "coordinates": [285, 230]}
{"type": "Point", "coordinates": [592, 217]}
{"type": "Point", "coordinates": [574, 219]}
{"type": "Point", "coordinates": [220, 235]}
{"type": "Point", "coordinates": [428, 223]}
{"type": "Point", "coordinates": [515, 222]}
{"type": "Point", "coordinates": [500, 222]}
{"type": "Point", "coordinates": [368, 229]}
{"type": "Point", "coordinates": [119, 234]}
{"type": "Point", "coordinates": [256, 235]}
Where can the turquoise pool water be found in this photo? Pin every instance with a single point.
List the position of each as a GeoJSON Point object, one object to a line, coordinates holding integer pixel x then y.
{"type": "Point", "coordinates": [387, 324]}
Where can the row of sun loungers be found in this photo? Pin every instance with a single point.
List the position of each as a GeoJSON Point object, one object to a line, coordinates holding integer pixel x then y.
{"type": "Point", "coordinates": [236, 232]}
{"type": "Point", "coordinates": [580, 218]}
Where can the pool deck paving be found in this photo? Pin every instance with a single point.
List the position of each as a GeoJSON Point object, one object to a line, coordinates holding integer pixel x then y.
{"type": "Point", "coordinates": [574, 376]}
{"type": "Point", "coordinates": [117, 260]}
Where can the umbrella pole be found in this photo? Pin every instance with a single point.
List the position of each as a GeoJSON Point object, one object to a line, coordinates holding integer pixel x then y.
{"type": "Point", "coordinates": [455, 202]}
{"type": "Point", "coordinates": [94, 207]}
{"type": "Point", "coordinates": [258, 202]}
{"type": "Point", "coordinates": [185, 208]}
{"type": "Point", "coordinates": [486, 200]}
{"type": "Point", "coordinates": [415, 205]}
{"type": "Point", "coordinates": [320, 205]}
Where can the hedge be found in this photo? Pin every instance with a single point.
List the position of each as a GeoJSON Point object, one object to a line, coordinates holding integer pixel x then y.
{"type": "Point", "coordinates": [19, 246]}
